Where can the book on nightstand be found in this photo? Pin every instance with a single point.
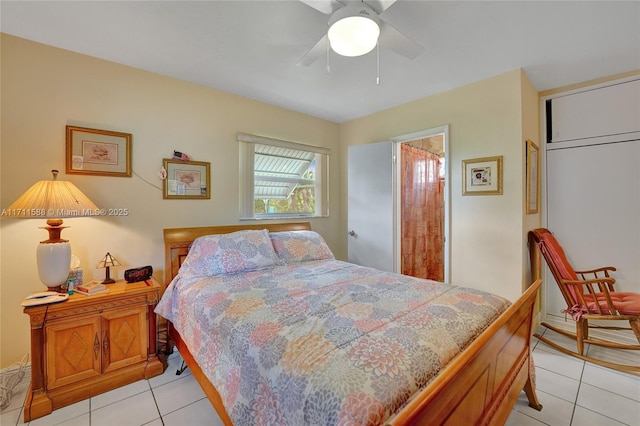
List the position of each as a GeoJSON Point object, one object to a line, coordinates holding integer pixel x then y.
{"type": "Point", "coordinates": [94, 287]}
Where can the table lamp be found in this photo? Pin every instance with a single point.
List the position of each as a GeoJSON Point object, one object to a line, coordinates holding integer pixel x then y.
{"type": "Point", "coordinates": [106, 263]}
{"type": "Point", "coordinates": [52, 200]}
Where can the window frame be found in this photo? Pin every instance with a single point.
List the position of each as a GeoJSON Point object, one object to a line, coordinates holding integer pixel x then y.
{"type": "Point", "coordinates": [247, 144]}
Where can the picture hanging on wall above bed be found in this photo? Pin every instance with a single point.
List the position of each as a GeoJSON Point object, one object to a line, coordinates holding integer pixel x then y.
{"type": "Point", "coordinates": [186, 180]}
{"type": "Point", "coordinates": [98, 152]}
{"type": "Point", "coordinates": [482, 176]}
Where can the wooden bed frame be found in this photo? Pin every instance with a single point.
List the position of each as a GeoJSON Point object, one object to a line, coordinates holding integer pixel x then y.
{"type": "Point", "coordinates": [479, 386]}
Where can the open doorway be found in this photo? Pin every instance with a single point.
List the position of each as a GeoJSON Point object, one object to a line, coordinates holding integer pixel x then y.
{"type": "Point", "coordinates": [422, 204]}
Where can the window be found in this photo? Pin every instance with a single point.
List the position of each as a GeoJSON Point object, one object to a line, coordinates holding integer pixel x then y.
{"type": "Point", "coordinates": [282, 179]}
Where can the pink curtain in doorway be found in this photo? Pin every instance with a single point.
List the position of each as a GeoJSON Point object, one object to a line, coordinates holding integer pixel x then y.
{"type": "Point", "coordinates": [422, 211]}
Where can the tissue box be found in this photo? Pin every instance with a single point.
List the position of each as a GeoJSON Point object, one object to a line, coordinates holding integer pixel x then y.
{"type": "Point", "coordinates": [76, 276]}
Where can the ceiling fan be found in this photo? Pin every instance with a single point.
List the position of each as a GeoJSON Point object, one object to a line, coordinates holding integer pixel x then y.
{"type": "Point", "coordinates": [355, 28]}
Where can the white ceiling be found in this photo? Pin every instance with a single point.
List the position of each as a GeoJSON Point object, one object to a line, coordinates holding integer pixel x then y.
{"type": "Point", "coordinates": [251, 48]}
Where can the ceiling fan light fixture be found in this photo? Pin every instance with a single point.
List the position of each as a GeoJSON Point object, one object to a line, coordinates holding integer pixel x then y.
{"type": "Point", "coordinates": [353, 31]}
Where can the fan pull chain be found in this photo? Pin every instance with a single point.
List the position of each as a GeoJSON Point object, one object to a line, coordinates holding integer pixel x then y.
{"type": "Point", "coordinates": [328, 66]}
{"type": "Point", "coordinates": [378, 63]}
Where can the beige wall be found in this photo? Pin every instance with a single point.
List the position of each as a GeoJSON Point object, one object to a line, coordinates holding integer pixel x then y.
{"type": "Point", "coordinates": [44, 89]}
{"type": "Point", "coordinates": [488, 118]}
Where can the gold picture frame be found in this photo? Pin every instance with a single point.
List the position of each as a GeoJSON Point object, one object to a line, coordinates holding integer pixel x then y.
{"type": "Point", "coordinates": [533, 177]}
{"type": "Point", "coordinates": [98, 152]}
{"type": "Point", "coordinates": [482, 176]}
{"type": "Point", "coordinates": [186, 180]}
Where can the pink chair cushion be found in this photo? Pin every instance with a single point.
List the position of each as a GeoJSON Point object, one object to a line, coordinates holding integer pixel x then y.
{"type": "Point", "coordinates": [625, 303]}
{"type": "Point", "coordinates": [549, 243]}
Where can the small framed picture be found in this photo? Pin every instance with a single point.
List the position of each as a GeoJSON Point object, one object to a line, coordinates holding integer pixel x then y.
{"type": "Point", "coordinates": [482, 176]}
{"type": "Point", "coordinates": [533, 180]}
{"type": "Point", "coordinates": [98, 152]}
{"type": "Point", "coordinates": [186, 180]}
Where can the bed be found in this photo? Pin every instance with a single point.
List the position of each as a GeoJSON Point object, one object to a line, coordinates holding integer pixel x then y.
{"type": "Point", "coordinates": [347, 356]}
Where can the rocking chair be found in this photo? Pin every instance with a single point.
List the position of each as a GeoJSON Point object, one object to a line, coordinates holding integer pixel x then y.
{"type": "Point", "coordinates": [590, 295]}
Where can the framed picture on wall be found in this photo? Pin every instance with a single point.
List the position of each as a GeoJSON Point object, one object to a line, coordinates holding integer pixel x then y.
{"type": "Point", "coordinates": [186, 180]}
{"type": "Point", "coordinates": [533, 179]}
{"type": "Point", "coordinates": [98, 152]}
{"type": "Point", "coordinates": [482, 176]}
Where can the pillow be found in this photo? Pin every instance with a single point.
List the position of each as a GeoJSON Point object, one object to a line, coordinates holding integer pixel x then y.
{"type": "Point", "coordinates": [225, 254]}
{"type": "Point", "coordinates": [300, 246]}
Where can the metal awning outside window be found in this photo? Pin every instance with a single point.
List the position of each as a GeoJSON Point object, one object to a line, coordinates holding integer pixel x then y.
{"type": "Point", "coordinates": [278, 170]}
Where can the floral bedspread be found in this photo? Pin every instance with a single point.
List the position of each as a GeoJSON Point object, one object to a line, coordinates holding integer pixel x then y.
{"type": "Point", "coordinates": [323, 342]}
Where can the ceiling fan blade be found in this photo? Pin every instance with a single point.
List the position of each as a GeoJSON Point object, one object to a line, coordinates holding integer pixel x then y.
{"type": "Point", "coordinates": [380, 5]}
{"type": "Point", "coordinates": [315, 52]}
{"type": "Point", "coordinates": [392, 39]}
{"type": "Point", "coordinates": [325, 6]}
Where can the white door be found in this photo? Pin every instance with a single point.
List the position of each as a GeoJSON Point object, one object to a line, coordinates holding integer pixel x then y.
{"type": "Point", "coordinates": [371, 209]}
{"type": "Point", "coordinates": [593, 203]}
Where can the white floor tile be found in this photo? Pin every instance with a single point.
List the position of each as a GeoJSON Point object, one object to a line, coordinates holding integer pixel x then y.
{"type": "Point", "coordinates": [557, 385]}
{"type": "Point", "coordinates": [178, 394]}
{"type": "Point", "coordinates": [133, 411]}
{"type": "Point", "coordinates": [518, 419]}
{"type": "Point", "coordinates": [10, 417]}
{"type": "Point", "coordinates": [584, 417]}
{"type": "Point", "coordinates": [156, 422]}
{"type": "Point", "coordinates": [613, 381]}
{"type": "Point", "coordinates": [549, 359]}
{"type": "Point", "coordinates": [62, 414]}
{"type": "Point", "coordinates": [555, 411]}
{"type": "Point", "coordinates": [198, 413]}
{"type": "Point", "coordinates": [119, 394]}
{"type": "Point", "coordinates": [83, 420]}
{"type": "Point", "coordinates": [619, 408]}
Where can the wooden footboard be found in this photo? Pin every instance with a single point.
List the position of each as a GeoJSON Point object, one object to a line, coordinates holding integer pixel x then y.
{"type": "Point", "coordinates": [482, 384]}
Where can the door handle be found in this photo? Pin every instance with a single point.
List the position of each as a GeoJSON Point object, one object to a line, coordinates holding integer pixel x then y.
{"type": "Point", "coordinates": [353, 234]}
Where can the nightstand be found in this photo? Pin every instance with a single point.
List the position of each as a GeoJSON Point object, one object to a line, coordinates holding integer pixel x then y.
{"type": "Point", "coordinates": [88, 345]}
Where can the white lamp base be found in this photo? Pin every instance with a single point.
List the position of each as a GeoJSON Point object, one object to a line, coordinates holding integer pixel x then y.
{"type": "Point", "coordinates": [53, 263]}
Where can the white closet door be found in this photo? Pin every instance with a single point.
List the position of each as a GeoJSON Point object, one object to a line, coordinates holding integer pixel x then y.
{"type": "Point", "coordinates": [611, 112]}
{"type": "Point", "coordinates": [593, 195]}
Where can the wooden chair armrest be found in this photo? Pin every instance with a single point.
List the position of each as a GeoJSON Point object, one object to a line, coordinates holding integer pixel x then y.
{"type": "Point", "coordinates": [594, 287]}
{"type": "Point", "coordinates": [598, 273]}
{"type": "Point", "coordinates": [595, 271]}
{"type": "Point", "coordinates": [603, 280]}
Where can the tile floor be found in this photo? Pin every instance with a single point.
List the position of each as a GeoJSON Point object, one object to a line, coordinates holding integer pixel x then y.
{"type": "Point", "coordinates": [572, 392]}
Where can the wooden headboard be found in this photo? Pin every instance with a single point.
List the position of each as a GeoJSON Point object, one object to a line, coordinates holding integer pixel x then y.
{"type": "Point", "coordinates": [178, 240]}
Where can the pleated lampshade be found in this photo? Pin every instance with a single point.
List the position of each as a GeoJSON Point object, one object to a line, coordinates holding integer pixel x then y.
{"type": "Point", "coordinates": [53, 200]}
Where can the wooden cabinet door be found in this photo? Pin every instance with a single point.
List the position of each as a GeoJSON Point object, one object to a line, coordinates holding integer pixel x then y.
{"type": "Point", "coordinates": [72, 350]}
{"type": "Point", "coordinates": [124, 337]}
